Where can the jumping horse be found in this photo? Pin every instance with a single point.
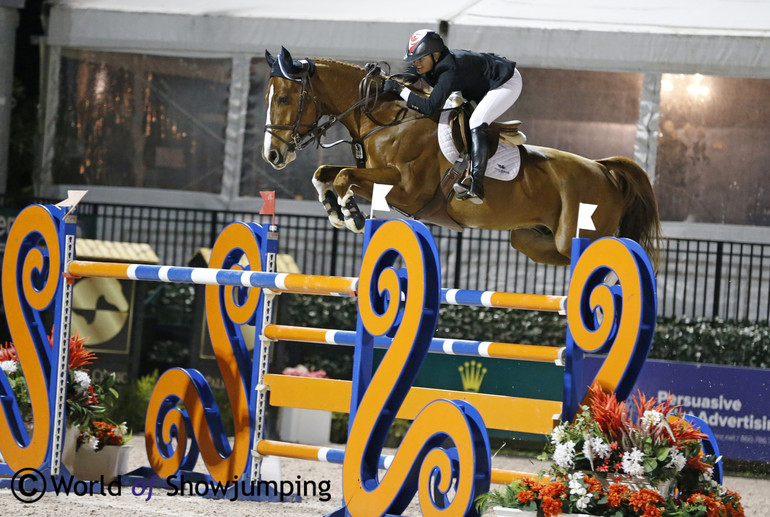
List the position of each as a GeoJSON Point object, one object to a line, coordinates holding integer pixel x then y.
{"type": "Point", "coordinates": [396, 146]}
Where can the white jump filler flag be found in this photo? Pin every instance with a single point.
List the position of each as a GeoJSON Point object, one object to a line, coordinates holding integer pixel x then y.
{"type": "Point", "coordinates": [584, 221]}
{"type": "Point", "coordinates": [379, 192]}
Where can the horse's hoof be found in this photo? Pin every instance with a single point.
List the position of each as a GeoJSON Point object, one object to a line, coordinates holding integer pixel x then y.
{"type": "Point", "coordinates": [354, 219]}
{"type": "Point", "coordinates": [357, 223]}
{"type": "Point", "coordinates": [336, 218]}
{"type": "Point", "coordinates": [336, 221]}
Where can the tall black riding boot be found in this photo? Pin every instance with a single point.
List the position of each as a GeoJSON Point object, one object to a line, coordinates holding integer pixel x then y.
{"type": "Point", "coordinates": [479, 158]}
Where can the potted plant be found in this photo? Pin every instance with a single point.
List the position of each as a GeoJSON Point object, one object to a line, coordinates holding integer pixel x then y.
{"type": "Point", "coordinates": [102, 451]}
{"type": "Point", "coordinates": [86, 401]}
{"type": "Point", "coordinates": [616, 461]}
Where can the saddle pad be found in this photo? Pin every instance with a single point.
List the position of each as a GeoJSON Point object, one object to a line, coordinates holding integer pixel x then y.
{"type": "Point", "coordinates": [503, 165]}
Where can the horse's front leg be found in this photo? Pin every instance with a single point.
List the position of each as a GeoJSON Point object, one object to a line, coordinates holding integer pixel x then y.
{"type": "Point", "coordinates": [353, 181]}
{"type": "Point", "coordinates": [323, 181]}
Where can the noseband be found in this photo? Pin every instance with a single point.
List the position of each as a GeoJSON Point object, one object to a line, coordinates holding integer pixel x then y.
{"type": "Point", "coordinates": [299, 141]}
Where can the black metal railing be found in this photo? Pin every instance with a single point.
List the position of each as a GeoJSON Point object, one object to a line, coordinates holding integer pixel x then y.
{"type": "Point", "coordinates": [696, 278]}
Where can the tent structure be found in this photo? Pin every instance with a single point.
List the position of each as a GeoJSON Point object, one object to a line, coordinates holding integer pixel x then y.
{"type": "Point", "coordinates": [726, 38]}
{"type": "Point", "coordinates": [715, 37]}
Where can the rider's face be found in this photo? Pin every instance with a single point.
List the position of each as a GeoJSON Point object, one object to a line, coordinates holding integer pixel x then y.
{"type": "Point", "coordinates": [424, 64]}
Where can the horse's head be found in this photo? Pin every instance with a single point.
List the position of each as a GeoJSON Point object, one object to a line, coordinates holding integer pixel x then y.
{"type": "Point", "coordinates": [291, 108]}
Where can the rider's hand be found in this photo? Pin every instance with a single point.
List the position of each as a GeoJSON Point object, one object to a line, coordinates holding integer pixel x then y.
{"type": "Point", "coordinates": [391, 85]}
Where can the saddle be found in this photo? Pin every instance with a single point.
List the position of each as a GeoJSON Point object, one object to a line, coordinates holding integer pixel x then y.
{"type": "Point", "coordinates": [459, 120]}
{"type": "Point", "coordinates": [459, 117]}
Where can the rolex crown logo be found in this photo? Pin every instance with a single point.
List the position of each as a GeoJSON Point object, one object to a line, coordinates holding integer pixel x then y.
{"type": "Point", "coordinates": [472, 374]}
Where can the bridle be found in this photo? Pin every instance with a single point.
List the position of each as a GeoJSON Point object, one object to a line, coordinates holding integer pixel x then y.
{"type": "Point", "coordinates": [303, 134]}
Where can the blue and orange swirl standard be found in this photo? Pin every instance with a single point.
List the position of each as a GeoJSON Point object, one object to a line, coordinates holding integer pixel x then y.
{"type": "Point", "coordinates": [612, 318]}
{"type": "Point", "coordinates": [31, 282]}
{"type": "Point", "coordinates": [227, 308]}
{"type": "Point", "coordinates": [404, 304]}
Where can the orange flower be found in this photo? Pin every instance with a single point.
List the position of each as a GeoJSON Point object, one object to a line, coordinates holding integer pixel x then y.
{"type": "Point", "coordinates": [8, 352]}
{"type": "Point", "coordinates": [616, 494]}
{"type": "Point", "coordinates": [608, 412]}
{"type": "Point", "coordinates": [525, 496]}
{"type": "Point", "coordinates": [638, 501]}
{"type": "Point", "coordinates": [652, 511]}
{"type": "Point", "coordinates": [593, 484]}
{"type": "Point", "coordinates": [554, 489]}
{"type": "Point", "coordinates": [79, 355]}
{"type": "Point", "coordinates": [551, 507]}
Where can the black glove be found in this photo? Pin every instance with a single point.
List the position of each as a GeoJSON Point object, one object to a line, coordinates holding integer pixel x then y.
{"type": "Point", "coordinates": [391, 85]}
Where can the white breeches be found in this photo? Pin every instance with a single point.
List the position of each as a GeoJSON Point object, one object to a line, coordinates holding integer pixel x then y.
{"type": "Point", "coordinates": [496, 101]}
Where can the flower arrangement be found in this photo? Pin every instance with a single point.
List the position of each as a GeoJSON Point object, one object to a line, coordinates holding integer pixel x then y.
{"type": "Point", "coordinates": [581, 494]}
{"type": "Point", "coordinates": [611, 463]}
{"type": "Point", "coordinates": [102, 433]}
{"type": "Point", "coordinates": [86, 399]}
{"type": "Point", "coordinates": [656, 443]}
{"type": "Point", "coordinates": [303, 371]}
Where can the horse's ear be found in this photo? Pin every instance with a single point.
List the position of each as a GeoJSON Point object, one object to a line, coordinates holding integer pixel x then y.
{"type": "Point", "coordinates": [269, 58]}
{"type": "Point", "coordinates": [289, 68]}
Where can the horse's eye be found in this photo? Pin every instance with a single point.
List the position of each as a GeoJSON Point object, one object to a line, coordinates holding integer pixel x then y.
{"type": "Point", "coordinates": [283, 99]}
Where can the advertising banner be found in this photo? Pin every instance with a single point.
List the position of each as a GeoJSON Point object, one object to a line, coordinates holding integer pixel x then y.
{"type": "Point", "coordinates": [734, 401]}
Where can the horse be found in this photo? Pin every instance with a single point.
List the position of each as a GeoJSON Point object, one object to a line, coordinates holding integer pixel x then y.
{"type": "Point", "coordinates": [396, 146]}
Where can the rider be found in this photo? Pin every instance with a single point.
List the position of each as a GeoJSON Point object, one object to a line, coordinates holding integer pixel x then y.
{"type": "Point", "coordinates": [492, 81]}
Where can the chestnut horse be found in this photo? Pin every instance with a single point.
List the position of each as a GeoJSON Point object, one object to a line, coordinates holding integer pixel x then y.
{"type": "Point", "coordinates": [400, 147]}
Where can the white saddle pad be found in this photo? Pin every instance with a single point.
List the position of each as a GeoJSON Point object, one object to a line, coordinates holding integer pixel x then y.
{"type": "Point", "coordinates": [503, 165]}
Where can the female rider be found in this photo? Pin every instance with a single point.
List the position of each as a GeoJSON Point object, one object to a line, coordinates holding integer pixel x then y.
{"type": "Point", "coordinates": [492, 81]}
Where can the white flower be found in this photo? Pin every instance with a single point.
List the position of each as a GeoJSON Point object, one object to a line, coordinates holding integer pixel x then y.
{"type": "Point", "coordinates": [564, 454]}
{"type": "Point", "coordinates": [558, 433]}
{"type": "Point", "coordinates": [9, 366]}
{"type": "Point", "coordinates": [582, 503]}
{"type": "Point", "coordinates": [677, 461]}
{"type": "Point", "coordinates": [575, 483]}
{"type": "Point", "coordinates": [121, 429]}
{"type": "Point", "coordinates": [651, 418]}
{"type": "Point", "coordinates": [588, 450]}
{"type": "Point", "coordinates": [601, 449]}
{"type": "Point", "coordinates": [632, 462]}
{"type": "Point", "coordinates": [82, 380]}
{"type": "Point", "coordinates": [92, 442]}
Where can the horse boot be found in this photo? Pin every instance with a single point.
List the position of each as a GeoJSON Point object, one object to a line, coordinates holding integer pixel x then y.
{"type": "Point", "coordinates": [479, 159]}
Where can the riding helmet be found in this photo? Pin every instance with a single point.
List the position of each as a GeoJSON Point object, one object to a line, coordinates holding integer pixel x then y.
{"type": "Point", "coordinates": [422, 43]}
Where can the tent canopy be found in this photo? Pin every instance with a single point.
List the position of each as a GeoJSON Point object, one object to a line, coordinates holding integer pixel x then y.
{"type": "Point", "coordinates": [712, 37]}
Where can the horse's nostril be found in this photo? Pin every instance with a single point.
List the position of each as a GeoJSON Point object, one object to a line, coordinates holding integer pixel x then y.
{"type": "Point", "coordinates": [273, 156]}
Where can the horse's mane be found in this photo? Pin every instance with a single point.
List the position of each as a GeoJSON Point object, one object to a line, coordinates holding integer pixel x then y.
{"type": "Point", "coordinates": [336, 62]}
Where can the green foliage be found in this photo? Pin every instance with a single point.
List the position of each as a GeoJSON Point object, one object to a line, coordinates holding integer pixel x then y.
{"type": "Point", "coordinates": [132, 403]}
{"type": "Point", "coordinates": [225, 411]}
{"type": "Point", "coordinates": [174, 301]}
{"type": "Point", "coordinates": [85, 405]}
{"type": "Point", "coordinates": [700, 340]}
{"type": "Point", "coordinates": [717, 341]}
{"type": "Point", "coordinates": [339, 430]}
{"type": "Point", "coordinates": [321, 311]}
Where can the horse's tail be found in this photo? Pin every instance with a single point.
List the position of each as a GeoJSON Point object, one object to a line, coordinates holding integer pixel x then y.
{"type": "Point", "coordinates": [640, 220]}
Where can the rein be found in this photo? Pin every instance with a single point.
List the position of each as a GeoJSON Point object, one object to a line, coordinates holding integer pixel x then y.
{"type": "Point", "coordinates": [368, 93]}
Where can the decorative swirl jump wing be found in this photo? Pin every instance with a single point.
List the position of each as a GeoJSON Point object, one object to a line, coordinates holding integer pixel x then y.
{"type": "Point", "coordinates": [227, 307]}
{"type": "Point", "coordinates": [617, 319]}
{"type": "Point", "coordinates": [404, 304]}
{"type": "Point", "coordinates": [31, 279]}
